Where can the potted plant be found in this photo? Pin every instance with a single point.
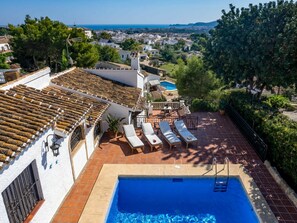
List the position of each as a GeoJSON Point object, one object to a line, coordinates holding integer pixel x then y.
{"type": "Point", "coordinates": [222, 106]}
{"type": "Point", "coordinates": [113, 125]}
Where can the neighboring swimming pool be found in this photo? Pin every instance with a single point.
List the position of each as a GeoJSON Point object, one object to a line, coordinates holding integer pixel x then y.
{"type": "Point", "coordinates": [140, 199]}
{"type": "Point", "coordinates": [168, 85]}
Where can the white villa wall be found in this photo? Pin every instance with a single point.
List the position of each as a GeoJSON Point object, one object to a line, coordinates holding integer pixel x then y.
{"type": "Point", "coordinates": [55, 176]}
{"type": "Point", "coordinates": [90, 143]}
{"type": "Point", "coordinates": [79, 158]}
{"type": "Point", "coordinates": [141, 82]}
{"type": "Point", "coordinates": [128, 77]}
{"type": "Point", "coordinates": [39, 79]}
{"type": "Point", "coordinates": [152, 77]}
{"type": "Point", "coordinates": [117, 111]}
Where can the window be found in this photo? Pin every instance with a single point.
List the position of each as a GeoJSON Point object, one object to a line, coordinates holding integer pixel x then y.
{"type": "Point", "coordinates": [23, 194]}
{"type": "Point", "coordinates": [97, 130]}
{"type": "Point", "coordinates": [76, 137]}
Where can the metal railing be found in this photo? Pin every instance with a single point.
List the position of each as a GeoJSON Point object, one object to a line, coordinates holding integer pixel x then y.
{"type": "Point", "coordinates": [258, 144]}
{"type": "Point", "coordinates": [190, 121]}
{"type": "Point", "coordinates": [162, 105]}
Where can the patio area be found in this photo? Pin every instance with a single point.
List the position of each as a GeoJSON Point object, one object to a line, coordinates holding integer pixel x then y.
{"type": "Point", "coordinates": [218, 137]}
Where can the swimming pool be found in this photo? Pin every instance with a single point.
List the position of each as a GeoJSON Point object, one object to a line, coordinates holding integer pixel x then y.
{"type": "Point", "coordinates": [167, 199]}
{"type": "Point", "coordinates": [168, 85]}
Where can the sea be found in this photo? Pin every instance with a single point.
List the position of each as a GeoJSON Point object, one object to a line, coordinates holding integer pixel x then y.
{"type": "Point", "coordinates": [121, 26]}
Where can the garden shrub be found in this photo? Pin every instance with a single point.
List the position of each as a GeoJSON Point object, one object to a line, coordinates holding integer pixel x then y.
{"type": "Point", "coordinates": [277, 102]}
{"type": "Point", "coordinates": [277, 130]}
{"type": "Point", "coordinates": [204, 105]}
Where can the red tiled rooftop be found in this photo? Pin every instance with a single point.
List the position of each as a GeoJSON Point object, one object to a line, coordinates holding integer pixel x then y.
{"type": "Point", "coordinates": [218, 137]}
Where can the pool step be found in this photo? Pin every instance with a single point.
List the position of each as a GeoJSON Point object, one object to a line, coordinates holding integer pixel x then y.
{"type": "Point", "coordinates": [220, 185]}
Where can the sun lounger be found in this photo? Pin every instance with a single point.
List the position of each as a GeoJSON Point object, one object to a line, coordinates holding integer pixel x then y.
{"type": "Point", "coordinates": [169, 136]}
{"type": "Point", "coordinates": [184, 133]}
{"type": "Point", "coordinates": [152, 139]}
{"type": "Point", "coordinates": [132, 138]}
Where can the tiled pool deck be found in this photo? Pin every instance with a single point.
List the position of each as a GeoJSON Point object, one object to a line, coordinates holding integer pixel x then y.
{"type": "Point", "coordinates": [218, 137]}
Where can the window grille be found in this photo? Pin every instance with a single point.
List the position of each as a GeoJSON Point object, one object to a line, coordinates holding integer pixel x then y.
{"type": "Point", "coordinates": [76, 137]}
{"type": "Point", "coordinates": [23, 194]}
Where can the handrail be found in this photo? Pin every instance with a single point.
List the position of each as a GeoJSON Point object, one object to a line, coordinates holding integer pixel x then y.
{"type": "Point", "coordinates": [226, 161]}
{"type": "Point", "coordinates": [221, 184]}
{"type": "Point", "coordinates": [215, 164]}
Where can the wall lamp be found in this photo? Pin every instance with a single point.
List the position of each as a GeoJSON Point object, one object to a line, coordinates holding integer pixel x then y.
{"type": "Point", "coordinates": [89, 119]}
{"type": "Point", "coordinates": [55, 145]}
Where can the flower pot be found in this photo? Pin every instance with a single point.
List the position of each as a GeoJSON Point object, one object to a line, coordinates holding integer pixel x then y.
{"type": "Point", "coordinates": [112, 134]}
{"type": "Point", "coordinates": [222, 112]}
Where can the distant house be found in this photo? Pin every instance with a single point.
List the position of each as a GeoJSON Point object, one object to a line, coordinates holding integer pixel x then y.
{"type": "Point", "coordinates": [143, 56]}
{"type": "Point", "coordinates": [154, 52]}
{"type": "Point", "coordinates": [4, 44]}
{"type": "Point", "coordinates": [146, 48]}
{"type": "Point", "coordinates": [170, 41]}
{"type": "Point", "coordinates": [148, 41]}
{"type": "Point", "coordinates": [125, 54]}
{"type": "Point", "coordinates": [88, 33]}
{"type": "Point", "coordinates": [106, 42]}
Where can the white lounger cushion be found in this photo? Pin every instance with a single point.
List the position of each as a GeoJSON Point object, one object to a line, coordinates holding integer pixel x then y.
{"type": "Point", "coordinates": [149, 133]}
{"type": "Point", "coordinates": [135, 141]}
{"type": "Point", "coordinates": [168, 134]}
{"type": "Point", "coordinates": [184, 132]}
{"type": "Point", "coordinates": [147, 129]}
{"type": "Point", "coordinates": [131, 136]}
{"type": "Point", "coordinates": [129, 130]}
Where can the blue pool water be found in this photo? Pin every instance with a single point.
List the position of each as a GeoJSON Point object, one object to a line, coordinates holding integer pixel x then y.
{"type": "Point", "coordinates": [179, 200]}
{"type": "Point", "coordinates": [169, 86]}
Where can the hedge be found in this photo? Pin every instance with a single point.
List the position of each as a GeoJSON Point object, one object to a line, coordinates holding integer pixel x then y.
{"type": "Point", "coordinates": [276, 129]}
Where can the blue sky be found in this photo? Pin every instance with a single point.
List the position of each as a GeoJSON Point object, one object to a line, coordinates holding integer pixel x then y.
{"type": "Point", "coordinates": [118, 11]}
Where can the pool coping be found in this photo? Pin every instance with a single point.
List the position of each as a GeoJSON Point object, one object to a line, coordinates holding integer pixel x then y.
{"type": "Point", "coordinates": [100, 199]}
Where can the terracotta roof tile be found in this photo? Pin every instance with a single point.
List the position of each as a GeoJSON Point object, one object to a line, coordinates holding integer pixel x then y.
{"type": "Point", "coordinates": [75, 106]}
{"type": "Point", "coordinates": [21, 123]}
{"type": "Point", "coordinates": [4, 39]}
{"type": "Point", "coordinates": [25, 113]}
{"type": "Point", "coordinates": [94, 85]}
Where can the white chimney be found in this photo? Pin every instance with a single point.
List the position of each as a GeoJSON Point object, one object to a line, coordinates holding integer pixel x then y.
{"type": "Point", "coordinates": [135, 65]}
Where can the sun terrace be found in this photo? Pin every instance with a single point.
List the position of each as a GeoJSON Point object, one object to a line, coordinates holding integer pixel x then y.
{"type": "Point", "coordinates": [218, 136]}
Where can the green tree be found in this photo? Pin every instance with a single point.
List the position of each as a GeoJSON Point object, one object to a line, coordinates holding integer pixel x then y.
{"type": "Point", "coordinates": [40, 42]}
{"type": "Point", "coordinates": [108, 53]}
{"type": "Point", "coordinates": [180, 44]}
{"type": "Point", "coordinates": [105, 35]}
{"type": "Point", "coordinates": [4, 31]}
{"type": "Point", "coordinates": [3, 64]}
{"type": "Point", "coordinates": [256, 44]}
{"type": "Point", "coordinates": [130, 44]}
{"type": "Point", "coordinates": [84, 54]}
{"type": "Point", "coordinates": [168, 54]}
{"type": "Point", "coordinates": [194, 80]}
